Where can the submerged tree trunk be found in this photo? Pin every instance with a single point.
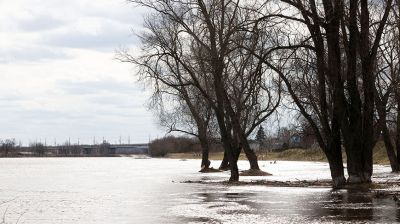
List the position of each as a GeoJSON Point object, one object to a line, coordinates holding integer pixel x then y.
{"type": "Point", "coordinates": [355, 163]}
{"type": "Point", "coordinates": [232, 153]}
{"type": "Point", "coordinates": [390, 150]}
{"type": "Point", "coordinates": [240, 138]}
{"type": "Point", "coordinates": [251, 155]}
{"type": "Point", "coordinates": [336, 167]}
{"type": "Point", "coordinates": [334, 155]}
{"type": "Point", "coordinates": [397, 91]}
{"type": "Point", "coordinates": [225, 163]}
{"type": "Point", "coordinates": [234, 173]}
{"type": "Point", "coordinates": [359, 156]}
{"type": "Point", "coordinates": [354, 150]}
{"type": "Point", "coordinates": [381, 105]}
{"type": "Point", "coordinates": [205, 162]}
{"type": "Point", "coordinates": [233, 157]}
{"type": "Point", "coordinates": [398, 124]}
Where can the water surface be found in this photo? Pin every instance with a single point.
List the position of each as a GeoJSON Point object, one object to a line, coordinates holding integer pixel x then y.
{"type": "Point", "coordinates": [129, 190]}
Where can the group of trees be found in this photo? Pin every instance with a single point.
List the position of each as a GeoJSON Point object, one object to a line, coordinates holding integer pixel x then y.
{"type": "Point", "coordinates": [294, 136]}
{"type": "Point", "coordinates": [192, 58]}
{"type": "Point", "coordinates": [171, 144]}
{"type": "Point", "coordinates": [7, 146]}
{"type": "Point", "coordinates": [332, 78]}
{"type": "Point", "coordinates": [220, 68]}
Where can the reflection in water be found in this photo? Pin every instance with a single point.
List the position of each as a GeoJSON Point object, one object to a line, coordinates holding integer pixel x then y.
{"type": "Point", "coordinates": [398, 212]}
{"type": "Point", "coordinates": [294, 205]}
{"type": "Point", "coordinates": [351, 205]}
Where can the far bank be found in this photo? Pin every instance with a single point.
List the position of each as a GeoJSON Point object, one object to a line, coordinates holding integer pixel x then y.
{"type": "Point", "coordinates": [295, 154]}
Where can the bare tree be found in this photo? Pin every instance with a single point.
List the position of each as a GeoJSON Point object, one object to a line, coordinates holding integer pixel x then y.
{"type": "Point", "coordinates": [38, 148]}
{"type": "Point", "coordinates": [387, 81]}
{"type": "Point", "coordinates": [329, 73]}
{"type": "Point", "coordinates": [189, 114]}
{"type": "Point", "coordinates": [7, 146]}
{"type": "Point", "coordinates": [197, 41]}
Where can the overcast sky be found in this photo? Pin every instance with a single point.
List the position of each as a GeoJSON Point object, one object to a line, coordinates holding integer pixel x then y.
{"type": "Point", "coordinates": [58, 75]}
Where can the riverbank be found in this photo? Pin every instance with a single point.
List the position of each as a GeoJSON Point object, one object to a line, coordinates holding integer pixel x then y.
{"type": "Point", "coordinates": [380, 156]}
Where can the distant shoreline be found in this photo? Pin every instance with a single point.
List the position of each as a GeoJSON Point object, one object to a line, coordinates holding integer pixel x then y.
{"type": "Point", "coordinates": [70, 156]}
{"type": "Point", "coordinates": [315, 155]}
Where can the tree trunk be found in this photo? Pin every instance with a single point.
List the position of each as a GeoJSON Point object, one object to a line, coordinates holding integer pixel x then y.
{"type": "Point", "coordinates": [225, 163]}
{"type": "Point", "coordinates": [232, 153]}
{"type": "Point", "coordinates": [250, 154]}
{"type": "Point", "coordinates": [234, 173]}
{"type": "Point", "coordinates": [398, 125]}
{"type": "Point", "coordinates": [335, 161]}
{"type": "Point", "coordinates": [367, 130]}
{"type": "Point", "coordinates": [381, 108]}
{"type": "Point", "coordinates": [397, 93]}
{"type": "Point", "coordinates": [355, 163]}
{"type": "Point", "coordinates": [359, 161]}
{"type": "Point", "coordinates": [334, 155]}
{"type": "Point", "coordinates": [205, 162]}
{"type": "Point", "coordinates": [359, 158]}
{"type": "Point", "coordinates": [390, 149]}
{"type": "Point", "coordinates": [354, 151]}
{"type": "Point", "coordinates": [241, 139]}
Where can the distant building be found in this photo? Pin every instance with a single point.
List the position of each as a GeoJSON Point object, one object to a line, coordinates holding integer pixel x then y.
{"type": "Point", "coordinates": [295, 141]}
{"type": "Point", "coordinates": [254, 145]}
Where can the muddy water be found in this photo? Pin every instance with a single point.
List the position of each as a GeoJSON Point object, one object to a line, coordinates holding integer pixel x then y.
{"type": "Point", "coordinates": [129, 190]}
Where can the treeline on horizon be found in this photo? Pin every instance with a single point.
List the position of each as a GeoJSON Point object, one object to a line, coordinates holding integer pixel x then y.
{"type": "Point", "coordinates": [171, 144]}
{"type": "Point", "coordinates": [286, 138]}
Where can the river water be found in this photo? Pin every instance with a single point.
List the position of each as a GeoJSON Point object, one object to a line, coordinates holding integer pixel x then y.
{"type": "Point", "coordinates": [131, 190]}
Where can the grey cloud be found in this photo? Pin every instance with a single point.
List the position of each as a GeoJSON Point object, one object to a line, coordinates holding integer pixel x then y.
{"type": "Point", "coordinates": [32, 53]}
{"type": "Point", "coordinates": [122, 12]}
{"type": "Point", "coordinates": [38, 115]}
{"type": "Point", "coordinates": [10, 98]}
{"type": "Point", "coordinates": [96, 87]}
{"type": "Point", "coordinates": [108, 95]}
{"type": "Point", "coordinates": [109, 37]}
{"type": "Point", "coordinates": [39, 23]}
{"type": "Point", "coordinates": [117, 101]}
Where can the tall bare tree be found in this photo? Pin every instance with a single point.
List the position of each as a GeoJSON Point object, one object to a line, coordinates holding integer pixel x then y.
{"type": "Point", "coordinates": [387, 82]}
{"type": "Point", "coordinates": [198, 41]}
{"type": "Point", "coordinates": [338, 43]}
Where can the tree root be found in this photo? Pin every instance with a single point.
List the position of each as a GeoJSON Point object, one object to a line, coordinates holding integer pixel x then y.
{"type": "Point", "coordinates": [209, 170]}
{"type": "Point", "coordinates": [253, 172]}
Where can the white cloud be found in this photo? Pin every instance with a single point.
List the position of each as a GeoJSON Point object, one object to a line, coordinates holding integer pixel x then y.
{"type": "Point", "coordinates": [58, 73]}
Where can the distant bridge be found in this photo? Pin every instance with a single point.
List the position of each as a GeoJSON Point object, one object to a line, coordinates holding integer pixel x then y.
{"type": "Point", "coordinates": [94, 149]}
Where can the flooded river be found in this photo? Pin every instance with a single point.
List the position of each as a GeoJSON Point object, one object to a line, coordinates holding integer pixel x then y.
{"type": "Point", "coordinates": [129, 190]}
